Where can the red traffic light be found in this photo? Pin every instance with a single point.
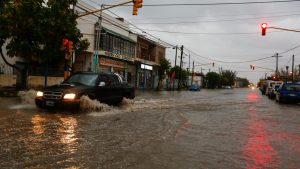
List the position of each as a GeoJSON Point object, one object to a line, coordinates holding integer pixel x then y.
{"type": "Point", "coordinates": [264, 27]}
{"type": "Point", "coordinates": [65, 41]}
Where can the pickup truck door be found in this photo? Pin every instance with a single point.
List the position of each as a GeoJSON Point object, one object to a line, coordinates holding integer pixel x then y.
{"type": "Point", "coordinates": [116, 92]}
{"type": "Point", "coordinates": [103, 88]}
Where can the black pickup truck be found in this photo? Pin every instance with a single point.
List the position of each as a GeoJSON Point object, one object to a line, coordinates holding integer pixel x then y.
{"type": "Point", "coordinates": [106, 87]}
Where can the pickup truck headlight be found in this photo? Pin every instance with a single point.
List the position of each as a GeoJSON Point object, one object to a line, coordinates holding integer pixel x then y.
{"type": "Point", "coordinates": [70, 96]}
{"type": "Point", "coordinates": [39, 94]}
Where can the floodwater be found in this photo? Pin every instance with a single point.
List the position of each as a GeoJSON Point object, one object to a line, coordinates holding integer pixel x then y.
{"type": "Point", "coordinates": [210, 129]}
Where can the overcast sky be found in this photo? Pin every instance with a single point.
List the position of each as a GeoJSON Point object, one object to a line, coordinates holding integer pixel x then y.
{"type": "Point", "coordinates": [229, 33]}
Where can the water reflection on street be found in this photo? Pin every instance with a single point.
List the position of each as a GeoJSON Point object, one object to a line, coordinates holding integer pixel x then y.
{"type": "Point", "coordinates": [235, 128]}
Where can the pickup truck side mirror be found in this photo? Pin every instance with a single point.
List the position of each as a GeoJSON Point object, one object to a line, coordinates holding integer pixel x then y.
{"type": "Point", "coordinates": [101, 84]}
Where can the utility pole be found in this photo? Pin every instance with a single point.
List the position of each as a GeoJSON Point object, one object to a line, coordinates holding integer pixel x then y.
{"type": "Point", "coordinates": [189, 67]}
{"type": "Point", "coordinates": [276, 73]}
{"type": "Point", "coordinates": [299, 73]}
{"type": "Point", "coordinates": [175, 55]}
{"type": "Point", "coordinates": [176, 47]}
{"type": "Point", "coordinates": [287, 73]}
{"type": "Point", "coordinates": [193, 73]}
{"type": "Point", "coordinates": [189, 61]}
{"type": "Point", "coordinates": [293, 68]}
{"type": "Point", "coordinates": [180, 70]}
{"type": "Point", "coordinates": [97, 44]}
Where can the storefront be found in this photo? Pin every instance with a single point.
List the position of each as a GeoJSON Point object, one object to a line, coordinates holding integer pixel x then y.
{"type": "Point", "coordinates": [145, 76]}
{"type": "Point", "coordinates": [116, 54]}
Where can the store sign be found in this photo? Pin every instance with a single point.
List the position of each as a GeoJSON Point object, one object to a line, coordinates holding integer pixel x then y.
{"type": "Point", "coordinates": [118, 56]}
{"type": "Point", "coordinates": [111, 62]}
{"type": "Point", "coordinates": [147, 67]}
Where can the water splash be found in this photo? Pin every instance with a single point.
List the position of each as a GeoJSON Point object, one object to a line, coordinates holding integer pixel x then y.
{"type": "Point", "coordinates": [27, 100]}
{"type": "Point", "coordinates": [88, 105]}
{"type": "Point", "coordinates": [27, 97]}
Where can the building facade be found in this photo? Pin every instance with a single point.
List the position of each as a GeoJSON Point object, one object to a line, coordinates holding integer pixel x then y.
{"type": "Point", "coordinates": [114, 48]}
{"type": "Point", "coordinates": [148, 56]}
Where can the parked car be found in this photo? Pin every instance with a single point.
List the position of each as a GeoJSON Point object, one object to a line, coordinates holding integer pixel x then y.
{"type": "Point", "coordinates": [105, 87]}
{"type": "Point", "coordinates": [272, 93]}
{"type": "Point", "coordinates": [270, 85]}
{"type": "Point", "coordinates": [226, 87]}
{"type": "Point", "coordinates": [194, 87]}
{"type": "Point", "coordinates": [288, 93]}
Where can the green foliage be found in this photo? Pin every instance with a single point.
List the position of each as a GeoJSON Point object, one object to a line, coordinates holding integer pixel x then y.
{"type": "Point", "coordinates": [82, 46]}
{"type": "Point", "coordinates": [243, 82]}
{"type": "Point", "coordinates": [36, 30]}
{"type": "Point", "coordinates": [164, 67]}
{"type": "Point", "coordinates": [4, 22]}
{"type": "Point", "coordinates": [228, 78]}
{"type": "Point", "coordinates": [177, 71]}
{"type": "Point", "coordinates": [213, 80]}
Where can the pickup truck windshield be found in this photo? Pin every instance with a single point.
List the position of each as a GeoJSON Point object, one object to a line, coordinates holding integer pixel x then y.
{"type": "Point", "coordinates": [82, 79]}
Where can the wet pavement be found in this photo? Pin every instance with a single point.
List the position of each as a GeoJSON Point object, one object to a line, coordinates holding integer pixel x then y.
{"type": "Point", "coordinates": [235, 129]}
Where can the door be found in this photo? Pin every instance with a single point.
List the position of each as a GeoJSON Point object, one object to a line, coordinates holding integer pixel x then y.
{"type": "Point", "coordinates": [102, 88]}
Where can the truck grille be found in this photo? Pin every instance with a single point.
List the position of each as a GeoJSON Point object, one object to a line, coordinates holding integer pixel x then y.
{"type": "Point", "coordinates": [52, 95]}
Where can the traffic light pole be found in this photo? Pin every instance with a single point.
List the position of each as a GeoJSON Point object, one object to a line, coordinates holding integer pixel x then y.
{"type": "Point", "coordinates": [283, 29]}
{"type": "Point", "coordinates": [102, 9]}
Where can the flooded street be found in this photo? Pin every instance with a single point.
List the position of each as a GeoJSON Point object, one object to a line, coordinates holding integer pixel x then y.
{"type": "Point", "coordinates": [236, 128]}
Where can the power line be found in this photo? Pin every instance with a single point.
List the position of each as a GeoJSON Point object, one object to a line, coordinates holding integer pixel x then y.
{"type": "Point", "coordinates": [156, 39]}
{"type": "Point", "coordinates": [143, 31]}
{"type": "Point", "coordinates": [213, 16]}
{"type": "Point", "coordinates": [221, 61]}
{"type": "Point", "coordinates": [254, 60]}
{"type": "Point", "coordinates": [206, 33]}
{"type": "Point", "coordinates": [222, 20]}
{"type": "Point", "coordinates": [220, 3]}
{"type": "Point", "coordinates": [289, 50]}
{"type": "Point", "coordinates": [104, 18]}
{"type": "Point", "coordinates": [289, 61]}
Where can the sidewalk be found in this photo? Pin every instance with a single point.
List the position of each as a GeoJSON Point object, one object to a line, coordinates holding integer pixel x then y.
{"type": "Point", "coordinates": [8, 91]}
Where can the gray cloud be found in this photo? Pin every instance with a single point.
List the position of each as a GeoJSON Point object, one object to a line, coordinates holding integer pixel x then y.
{"type": "Point", "coordinates": [224, 47]}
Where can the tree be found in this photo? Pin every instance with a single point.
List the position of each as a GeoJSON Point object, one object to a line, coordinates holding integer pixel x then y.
{"type": "Point", "coordinates": [184, 73]}
{"type": "Point", "coordinates": [213, 80]}
{"type": "Point", "coordinates": [243, 82]}
{"type": "Point", "coordinates": [164, 68]}
{"type": "Point", "coordinates": [5, 6]}
{"type": "Point", "coordinates": [36, 31]}
{"type": "Point", "coordinates": [176, 69]}
{"type": "Point", "coordinates": [228, 78]}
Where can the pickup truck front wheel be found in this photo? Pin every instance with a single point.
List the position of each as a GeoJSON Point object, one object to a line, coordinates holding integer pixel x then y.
{"type": "Point", "coordinates": [129, 96]}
